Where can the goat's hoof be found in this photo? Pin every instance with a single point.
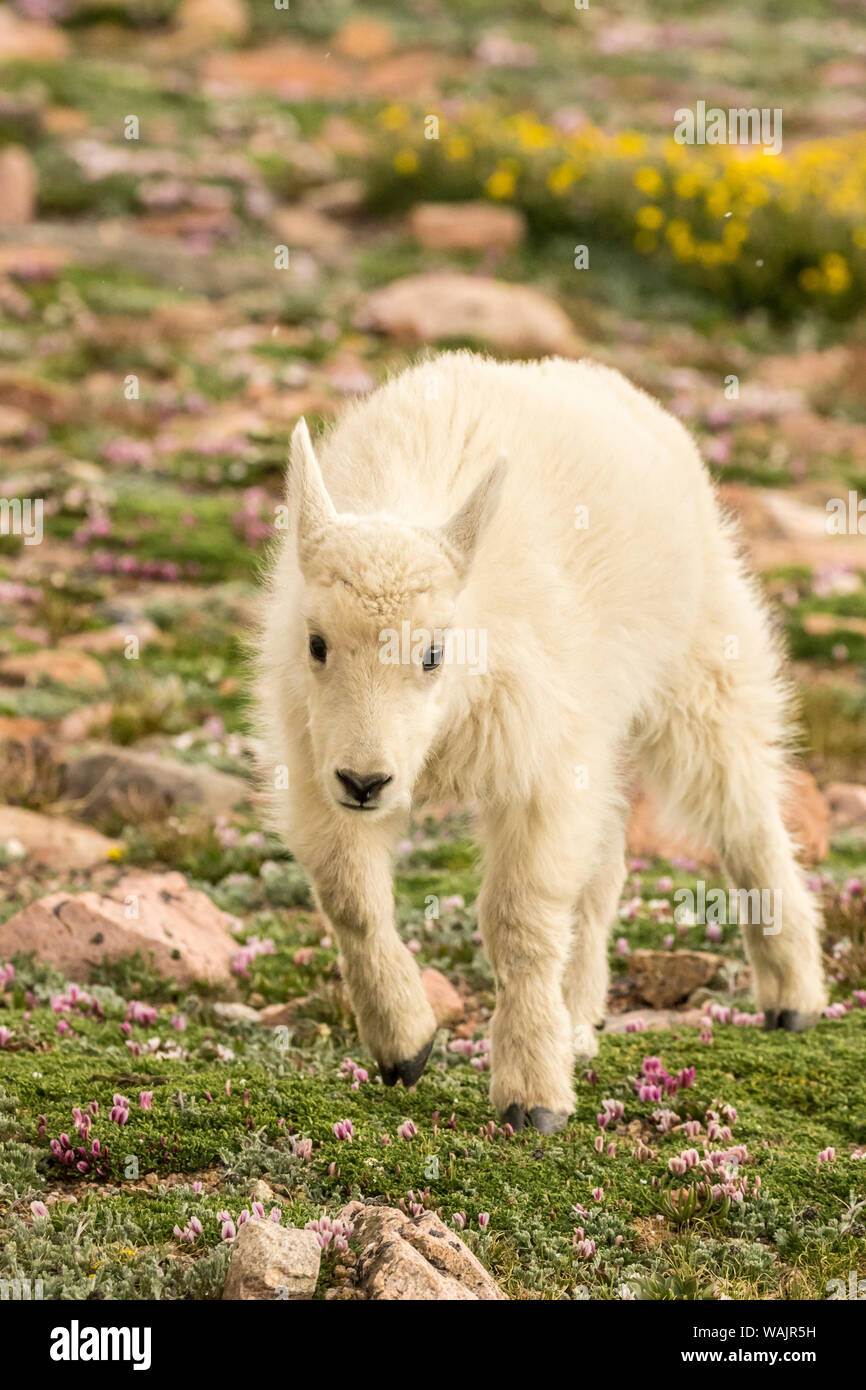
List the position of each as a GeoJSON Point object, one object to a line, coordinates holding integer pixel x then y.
{"type": "Point", "coordinates": [795, 1021]}
{"type": "Point", "coordinates": [547, 1121]}
{"type": "Point", "coordinates": [407, 1072]}
{"type": "Point", "coordinates": [515, 1116]}
{"type": "Point", "coordinates": [791, 1020]}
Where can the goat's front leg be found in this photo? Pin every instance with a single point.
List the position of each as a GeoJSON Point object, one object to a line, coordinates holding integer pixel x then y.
{"type": "Point", "coordinates": [351, 874]}
{"type": "Point", "coordinates": [525, 911]}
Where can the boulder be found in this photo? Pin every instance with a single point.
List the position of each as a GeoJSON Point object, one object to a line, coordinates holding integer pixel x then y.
{"type": "Point", "coordinates": [178, 928]}
{"type": "Point", "coordinates": [105, 780]}
{"type": "Point", "coordinates": [272, 1262]}
{"type": "Point", "coordinates": [400, 1257]}
{"type": "Point", "coordinates": [444, 305]}
{"type": "Point", "coordinates": [57, 844]}
{"type": "Point", "coordinates": [664, 978]}
{"type": "Point", "coordinates": [475, 226]}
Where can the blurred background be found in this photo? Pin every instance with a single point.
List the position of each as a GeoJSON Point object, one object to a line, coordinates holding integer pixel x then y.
{"type": "Point", "coordinates": [218, 215]}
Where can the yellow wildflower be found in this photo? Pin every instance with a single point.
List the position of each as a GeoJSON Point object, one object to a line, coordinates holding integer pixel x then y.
{"type": "Point", "coordinates": [405, 161]}
{"type": "Point", "coordinates": [649, 217]}
{"type": "Point", "coordinates": [648, 180]}
{"type": "Point", "coordinates": [501, 184]}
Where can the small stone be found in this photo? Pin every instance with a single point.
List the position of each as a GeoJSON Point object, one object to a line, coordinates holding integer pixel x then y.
{"type": "Point", "coordinates": [272, 1262]}
{"type": "Point", "coordinates": [664, 978]}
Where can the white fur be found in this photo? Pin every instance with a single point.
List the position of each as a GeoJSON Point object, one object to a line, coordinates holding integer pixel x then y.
{"type": "Point", "coordinates": [609, 650]}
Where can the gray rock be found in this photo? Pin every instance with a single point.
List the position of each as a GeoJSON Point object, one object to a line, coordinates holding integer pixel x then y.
{"type": "Point", "coordinates": [272, 1262]}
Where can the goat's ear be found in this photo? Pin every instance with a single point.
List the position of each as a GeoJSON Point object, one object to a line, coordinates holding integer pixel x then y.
{"type": "Point", "coordinates": [309, 504]}
{"type": "Point", "coordinates": [465, 528]}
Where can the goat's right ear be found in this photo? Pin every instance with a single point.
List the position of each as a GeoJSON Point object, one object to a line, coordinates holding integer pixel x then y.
{"type": "Point", "coordinates": [310, 507]}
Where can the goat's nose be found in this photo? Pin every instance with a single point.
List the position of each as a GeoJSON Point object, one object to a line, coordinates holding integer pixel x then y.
{"type": "Point", "coordinates": [362, 787]}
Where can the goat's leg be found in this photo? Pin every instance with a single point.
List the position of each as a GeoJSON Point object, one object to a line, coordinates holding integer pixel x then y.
{"type": "Point", "coordinates": [351, 873]}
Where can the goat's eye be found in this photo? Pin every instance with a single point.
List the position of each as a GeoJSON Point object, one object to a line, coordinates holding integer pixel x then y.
{"type": "Point", "coordinates": [432, 658]}
{"type": "Point", "coordinates": [318, 648]}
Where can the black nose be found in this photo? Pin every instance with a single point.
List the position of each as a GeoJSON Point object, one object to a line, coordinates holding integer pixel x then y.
{"type": "Point", "coordinates": [362, 788]}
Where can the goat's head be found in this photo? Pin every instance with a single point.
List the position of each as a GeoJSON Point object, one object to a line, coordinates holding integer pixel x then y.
{"type": "Point", "coordinates": [375, 633]}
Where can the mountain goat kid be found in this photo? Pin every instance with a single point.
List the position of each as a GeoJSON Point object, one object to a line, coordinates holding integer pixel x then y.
{"type": "Point", "coordinates": [620, 636]}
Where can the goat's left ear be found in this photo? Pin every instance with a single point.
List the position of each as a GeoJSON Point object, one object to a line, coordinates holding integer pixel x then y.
{"type": "Point", "coordinates": [466, 527]}
{"type": "Point", "coordinates": [309, 504]}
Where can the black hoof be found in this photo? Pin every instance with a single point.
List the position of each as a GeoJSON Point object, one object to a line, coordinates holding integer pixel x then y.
{"type": "Point", "coordinates": [791, 1020]}
{"type": "Point", "coordinates": [407, 1072]}
{"type": "Point", "coordinates": [547, 1121]}
{"type": "Point", "coordinates": [515, 1116]}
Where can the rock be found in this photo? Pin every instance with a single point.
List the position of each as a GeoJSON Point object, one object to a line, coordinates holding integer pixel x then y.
{"type": "Point", "coordinates": [213, 18]}
{"type": "Point", "coordinates": [14, 423]}
{"type": "Point", "coordinates": [261, 1192]}
{"type": "Point", "coordinates": [58, 844]}
{"type": "Point", "coordinates": [304, 227]}
{"type": "Point", "coordinates": [413, 1258]}
{"type": "Point", "coordinates": [807, 817]}
{"type": "Point", "coordinates": [847, 802]}
{"type": "Point", "coordinates": [58, 667]}
{"type": "Point", "coordinates": [272, 1262]}
{"type": "Point", "coordinates": [664, 978]}
{"type": "Point", "coordinates": [280, 1015]}
{"type": "Point", "coordinates": [20, 729]}
{"type": "Point", "coordinates": [338, 199]}
{"type": "Point", "coordinates": [288, 70]}
{"type": "Point", "coordinates": [442, 997]}
{"type": "Point", "coordinates": [178, 928]}
{"type": "Point", "coordinates": [364, 39]}
{"type": "Point", "coordinates": [409, 75]}
{"type": "Point", "coordinates": [805, 811]}
{"type": "Point", "coordinates": [83, 722]}
{"type": "Point", "coordinates": [654, 1019]}
{"type": "Point", "coordinates": [18, 183]}
{"type": "Point", "coordinates": [446, 305]}
{"type": "Point", "coordinates": [107, 780]}
{"type": "Point", "coordinates": [105, 640]}
{"type": "Point", "coordinates": [31, 41]}
{"type": "Point", "coordinates": [235, 1013]}
{"type": "Point", "coordinates": [467, 226]}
